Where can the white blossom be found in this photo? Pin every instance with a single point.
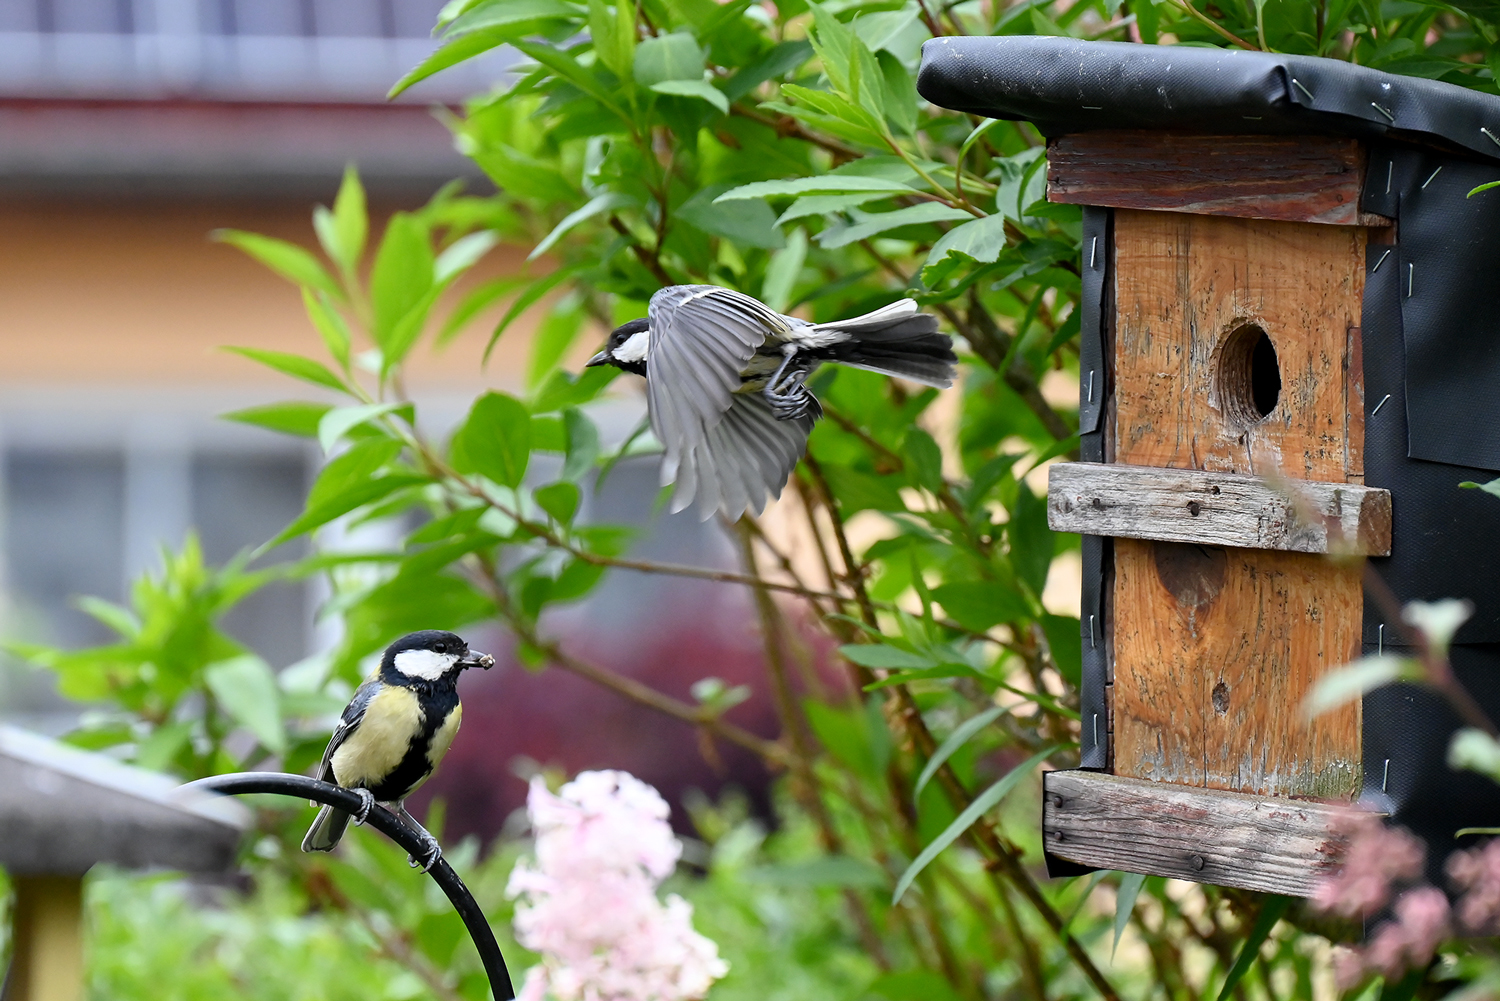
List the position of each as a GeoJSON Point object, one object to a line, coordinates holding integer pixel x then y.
{"type": "Point", "coordinates": [588, 903]}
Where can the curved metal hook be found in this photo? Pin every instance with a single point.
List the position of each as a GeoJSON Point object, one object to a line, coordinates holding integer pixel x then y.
{"type": "Point", "coordinates": [306, 787]}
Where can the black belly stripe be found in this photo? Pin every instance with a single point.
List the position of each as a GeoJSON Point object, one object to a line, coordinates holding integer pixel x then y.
{"type": "Point", "coordinates": [438, 701]}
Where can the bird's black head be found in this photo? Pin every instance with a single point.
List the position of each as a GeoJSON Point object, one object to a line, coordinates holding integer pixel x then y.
{"type": "Point", "coordinates": [626, 347]}
{"type": "Point", "coordinates": [429, 655]}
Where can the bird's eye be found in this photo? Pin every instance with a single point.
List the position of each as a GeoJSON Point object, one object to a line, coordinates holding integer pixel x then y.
{"type": "Point", "coordinates": [440, 648]}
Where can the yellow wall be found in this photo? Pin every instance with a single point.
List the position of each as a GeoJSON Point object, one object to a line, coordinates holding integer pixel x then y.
{"type": "Point", "coordinates": [136, 293]}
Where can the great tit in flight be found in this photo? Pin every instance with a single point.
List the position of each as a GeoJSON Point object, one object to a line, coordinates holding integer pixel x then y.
{"type": "Point", "coordinates": [394, 732]}
{"type": "Point", "coordinates": [725, 389]}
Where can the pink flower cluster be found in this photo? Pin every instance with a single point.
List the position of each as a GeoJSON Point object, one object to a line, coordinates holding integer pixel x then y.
{"type": "Point", "coordinates": [1376, 856]}
{"type": "Point", "coordinates": [1478, 874]}
{"type": "Point", "coordinates": [1378, 862]}
{"type": "Point", "coordinates": [588, 903]}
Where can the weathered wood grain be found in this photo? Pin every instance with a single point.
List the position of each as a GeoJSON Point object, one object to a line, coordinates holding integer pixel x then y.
{"type": "Point", "coordinates": [1215, 652]}
{"type": "Point", "coordinates": [1218, 509]}
{"type": "Point", "coordinates": [1183, 284]}
{"type": "Point", "coordinates": [1290, 178]}
{"type": "Point", "coordinates": [1274, 845]}
{"type": "Point", "coordinates": [1215, 649]}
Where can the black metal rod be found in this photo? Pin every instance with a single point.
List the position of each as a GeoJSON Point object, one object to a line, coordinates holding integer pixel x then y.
{"type": "Point", "coordinates": [387, 823]}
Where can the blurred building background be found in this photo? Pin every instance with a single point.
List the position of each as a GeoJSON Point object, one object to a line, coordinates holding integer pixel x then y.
{"type": "Point", "coordinates": [129, 130]}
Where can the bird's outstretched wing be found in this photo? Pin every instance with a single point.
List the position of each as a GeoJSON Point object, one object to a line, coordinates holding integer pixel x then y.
{"type": "Point", "coordinates": [743, 461]}
{"type": "Point", "coordinates": [702, 336]}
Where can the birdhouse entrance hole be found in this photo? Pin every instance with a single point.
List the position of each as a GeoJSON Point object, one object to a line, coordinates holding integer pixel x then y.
{"type": "Point", "coordinates": [1249, 376]}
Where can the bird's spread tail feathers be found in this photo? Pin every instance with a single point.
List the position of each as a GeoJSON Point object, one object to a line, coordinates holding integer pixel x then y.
{"type": "Point", "coordinates": [897, 340]}
{"type": "Point", "coordinates": [326, 830]}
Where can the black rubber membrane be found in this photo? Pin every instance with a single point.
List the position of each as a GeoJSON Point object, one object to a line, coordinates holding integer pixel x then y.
{"type": "Point", "coordinates": [1431, 341]}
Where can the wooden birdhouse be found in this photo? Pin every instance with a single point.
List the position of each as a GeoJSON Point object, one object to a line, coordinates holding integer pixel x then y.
{"type": "Point", "coordinates": [1288, 359]}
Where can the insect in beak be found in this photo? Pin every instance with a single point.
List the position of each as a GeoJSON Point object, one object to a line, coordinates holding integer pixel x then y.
{"type": "Point", "coordinates": [476, 659]}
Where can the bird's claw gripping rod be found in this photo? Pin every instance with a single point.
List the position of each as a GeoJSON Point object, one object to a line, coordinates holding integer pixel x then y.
{"type": "Point", "coordinates": [387, 823]}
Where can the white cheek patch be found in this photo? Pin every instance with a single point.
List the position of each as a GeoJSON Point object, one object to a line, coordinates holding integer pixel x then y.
{"type": "Point", "coordinates": [424, 664]}
{"type": "Point", "coordinates": [634, 348]}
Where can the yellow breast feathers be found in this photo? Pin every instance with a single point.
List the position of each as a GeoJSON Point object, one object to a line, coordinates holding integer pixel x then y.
{"type": "Point", "coordinates": [443, 739]}
{"type": "Point", "coordinates": [380, 741]}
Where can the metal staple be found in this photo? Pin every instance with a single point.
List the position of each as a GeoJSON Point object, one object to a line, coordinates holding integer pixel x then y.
{"type": "Point", "coordinates": [1387, 396]}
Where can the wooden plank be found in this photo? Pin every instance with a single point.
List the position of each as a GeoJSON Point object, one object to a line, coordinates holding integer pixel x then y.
{"type": "Point", "coordinates": [1215, 649]}
{"type": "Point", "coordinates": [1218, 509]}
{"type": "Point", "coordinates": [46, 939]}
{"type": "Point", "coordinates": [1290, 178]}
{"type": "Point", "coordinates": [1274, 845]}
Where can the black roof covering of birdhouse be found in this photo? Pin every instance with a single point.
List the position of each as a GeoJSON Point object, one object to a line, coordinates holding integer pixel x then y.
{"type": "Point", "coordinates": [1430, 330]}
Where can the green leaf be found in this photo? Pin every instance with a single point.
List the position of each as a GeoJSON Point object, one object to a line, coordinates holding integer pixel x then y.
{"type": "Point", "coordinates": [295, 366]}
{"type": "Point", "coordinates": [827, 204]}
{"type": "Point", "coordinates": [402, 276]}
{"type": "Point", "coordinates": [527, 299]}
{"type": "Point", "coordinates": [348, 482]}
{"type": "Point", "coordinates": [668, 57]}
{"type": "Point", "coordinates": [1130, 888]}
{"type": "Point", "coordinates": [560, 500]}
{"type": "Point", "coordinates": [1475, 751]}
{"type": "Point", "coordinates": [983, 803]}
{"type": "Point", "coordinates": [499, 13]}
{"type": "Point", "coordinates": [1032, 541]}
{"type": "Point", "coordinates": [246, 689]}
{"type": "Point", "coordinates": [981, 605]}
{"type": "Point", "coordinates": [330, 325]}
{"type": "Point", "coordinates": [833, 43]}
{"type": "Point", "coordinates": [338, 422]}
{"type": "Point", "coordinates": [849, 736]}
{"type": "Point", "coordinates": [925, 457]}
{"type": "Point", "coordinates": [556, 334]}
{"type": "Point", "coordinates": [462, 254]}
{"type": "Point", "coordinates": [857, 490]}
{"type": "Point", "coordinates": [294, 417]}
{"type": "Point", "coordinates": [870, 225]}
{"type": "Point", "coordinates": [1493, 486]}
{"type": "Point", "coordinates": [609, 201]}
{"type": "Point", "coordinates": [980, 241]}
{"type": "Point", "coordinates": [878, 656]}
{"type": "Point", "coordinates": [958, 738]}
{"type": "Point", "coordinates": [748, 223]}
{"type": "Point", "coordinates": [475, 303]}
{"type": "Point", "coordinates": [343, 231]}
{"type": "Point", "coordinates": [1065, 640]}
{"type": "Point", "coordinates": [1437, 621]}
{"type": "Point", "coordinates": [1271, 910]}
{"type": "Point", "coordinates": [121, 620]}
{"type": "Point", "coordinates": [1352, 681]}
{"type": "Point", "coordinates": [1483, 187]}
{"type": "Point", "coordinates": [614, 35]}
{"type": "Point", "coordinates": [913, 985]}
{"type": "Point", "coordinates": [827, 184]}
{"type": "Point", "coordinates": [901, 98]}
{"type": "Point", "coordinates": [496, 439]}
{"type": "Point", "coordinates": [782, 271]}
{"type": "Point", "coordinates": [582, 444]}
{"type": "Point", "coordinates": [286, 259]}
{"type": "Point", "coordinates": [466, 47]}
{"type": "Point", "coordinates": [701, 89]}
{"type": "Point", "coordinates": [782, 59]}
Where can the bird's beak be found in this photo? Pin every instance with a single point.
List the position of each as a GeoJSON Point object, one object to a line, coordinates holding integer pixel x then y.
{"type": "Point", "coordinates": [602, 358]}
{"type": "Point", "coordinates": [475, 659]}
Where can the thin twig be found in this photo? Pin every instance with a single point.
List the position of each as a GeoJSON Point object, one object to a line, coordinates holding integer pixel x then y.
{"type": "Point", "coordinates": [1216, 26]}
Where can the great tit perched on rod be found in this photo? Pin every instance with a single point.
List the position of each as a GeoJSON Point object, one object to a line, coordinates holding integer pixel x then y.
{"type": "Point", "coordinates": [394, 732]}
{"type": "Point", "coordinates": [725, 389]}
